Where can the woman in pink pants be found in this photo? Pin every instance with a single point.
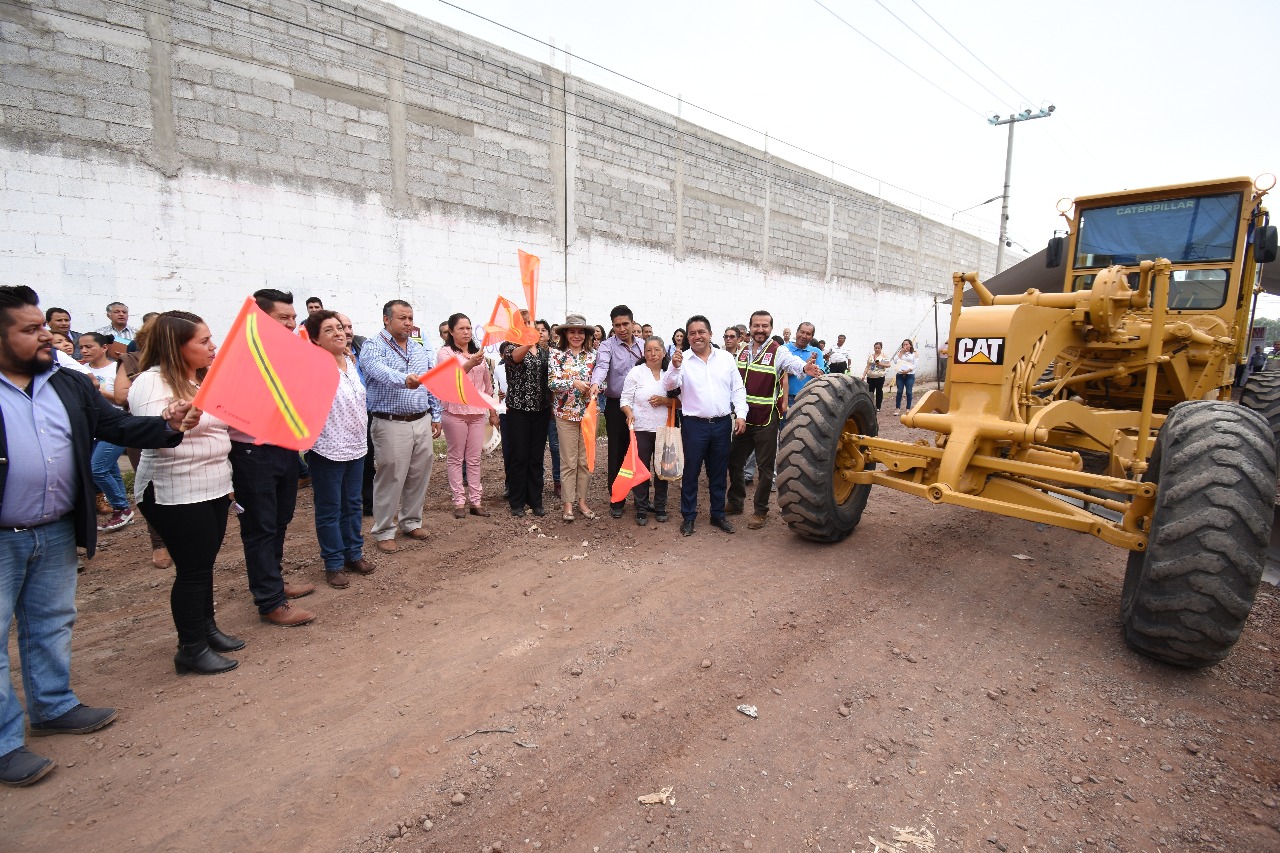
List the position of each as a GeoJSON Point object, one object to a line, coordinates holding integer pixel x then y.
{"type": "Point", "coordinates": [464, 425]}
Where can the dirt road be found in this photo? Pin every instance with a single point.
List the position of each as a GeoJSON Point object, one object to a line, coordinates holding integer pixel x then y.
{"type": "Point", "coordinates": [919, 687]}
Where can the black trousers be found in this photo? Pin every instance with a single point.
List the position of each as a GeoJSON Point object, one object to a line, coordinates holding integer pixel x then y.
{"type": "Point", "coordinates": [193, 534]}
{"type": "Point", "coordinates": [527, 435]}
{"type": "Point", "coordinates": [876, 387]}
{"type": "Point", "coordinates": [619, 439]}
{"type": "Point", "coordinates": [366, 484]}
{"type": "Point", "coordinates": [265, 478]}
{"type": "Point", "coordinates": [644, 447]}
{"type": "Point", "coordinates": [763, 441]}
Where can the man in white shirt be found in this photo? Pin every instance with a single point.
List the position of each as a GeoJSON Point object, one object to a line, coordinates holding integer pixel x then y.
{"type": "Point", "coordinates": [838, 358]}
{"type": "Point", "coordinates": [714, 403]}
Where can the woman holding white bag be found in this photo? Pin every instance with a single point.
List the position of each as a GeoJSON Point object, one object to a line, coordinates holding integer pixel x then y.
{"type": "Point", "coordinates": [646, 406]}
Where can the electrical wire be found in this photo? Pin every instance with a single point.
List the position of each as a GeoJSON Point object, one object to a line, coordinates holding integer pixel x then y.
{"type": "Point", "coordinates": [732, 170]}
{"type": "Point", "coordinates": [656, 90]}
{"type": "Point", "coordinates": [898, 60]}
{"type": "Point", "coordinates": [936, 50]}
{"type": "Point", "coordinates": [970, 52]}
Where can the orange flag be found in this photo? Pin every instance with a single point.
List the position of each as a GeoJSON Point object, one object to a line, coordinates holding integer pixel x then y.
{"type": "Point", "coordinates": [631, 474]}
{"type": "Point", "coordinates": [269, 383]}
{"type": "Point", "coordinates": [590, 420]}
{"type": "Point", "coordinates": [529, 267]}
{"type": "Point", "coordinates": [506, 324]}
{"type": "Point", "coordinates": [449, 382]}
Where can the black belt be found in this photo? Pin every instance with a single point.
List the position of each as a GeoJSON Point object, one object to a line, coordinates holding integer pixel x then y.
{"type": "Point", "coordinates": [387, 416]}
{"type": "Point", "coordinates": [706, 420]}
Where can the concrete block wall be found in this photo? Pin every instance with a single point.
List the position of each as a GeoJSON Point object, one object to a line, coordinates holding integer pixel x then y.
{"type": "Point", "coordinates": [184, 155]}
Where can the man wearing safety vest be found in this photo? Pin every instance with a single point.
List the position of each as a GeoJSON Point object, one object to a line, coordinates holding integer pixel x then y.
{"type": "Point", "coordinates": [761, 361]}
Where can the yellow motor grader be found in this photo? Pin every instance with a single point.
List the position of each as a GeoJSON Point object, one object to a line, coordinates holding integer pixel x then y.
{"type": "Point", "coordinates": [1103, 406]}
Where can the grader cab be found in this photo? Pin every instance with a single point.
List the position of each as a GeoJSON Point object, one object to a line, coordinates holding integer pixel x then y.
{"type": "Point", "coordinates": [1102, 407]}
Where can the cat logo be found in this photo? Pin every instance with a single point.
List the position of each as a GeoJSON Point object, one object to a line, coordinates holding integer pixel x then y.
{"type": "Point", "coordinates": [980, 351]}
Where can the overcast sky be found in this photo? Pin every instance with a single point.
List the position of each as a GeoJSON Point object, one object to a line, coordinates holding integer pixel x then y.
{"type": "Point", "coordinates": [1147, 92]}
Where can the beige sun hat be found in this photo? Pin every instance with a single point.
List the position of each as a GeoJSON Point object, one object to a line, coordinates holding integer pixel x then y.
{"type": "Point", "coordinates": [575, 321]}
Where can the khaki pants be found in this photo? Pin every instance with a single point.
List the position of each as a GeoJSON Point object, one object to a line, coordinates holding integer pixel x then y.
{"type": "Point", "coordinates": [402, 455]}
{"type": "Point", "coordinates": [574, 476]}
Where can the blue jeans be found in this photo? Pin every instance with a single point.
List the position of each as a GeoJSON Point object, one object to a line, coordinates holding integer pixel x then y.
{"type": "Point", "coordinates": [706, 442]}
{"type": "Point", "coordinates": [38, 586]}
{"type": "Point", "coordinates": [106, 473]}
{"type": "Point", "coordinates": [905, 382]}
{"type": "Point", "coordinates": [335, 488]}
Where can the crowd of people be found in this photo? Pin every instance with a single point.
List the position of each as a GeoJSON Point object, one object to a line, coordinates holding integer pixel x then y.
{"type": "Point", "coordinates": [73, 404]}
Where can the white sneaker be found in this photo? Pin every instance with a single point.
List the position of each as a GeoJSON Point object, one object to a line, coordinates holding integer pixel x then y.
{"type": "Point", "coordinates": [896, 413]}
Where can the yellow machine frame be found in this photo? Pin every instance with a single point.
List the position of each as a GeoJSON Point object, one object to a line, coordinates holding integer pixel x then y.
{"type": "Point", "coordinates": [1012, 438]}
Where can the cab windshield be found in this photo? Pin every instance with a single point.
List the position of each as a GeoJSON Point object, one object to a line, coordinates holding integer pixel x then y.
{"type": "Point", "coordinates": [1184, 230]}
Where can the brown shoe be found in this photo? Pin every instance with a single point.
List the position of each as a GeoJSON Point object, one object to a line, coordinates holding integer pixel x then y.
{"type": "Point", "coordinates": [476, 509]}
{"type": "Point", "coordinates": [458, 512]}
{"type": "Point", "coordinates": [337, 580]}
{"type": "Point", "coordinates": [298, 590]}
{"type": "Point", "coordinates": [104, 506]}
{"type": "Point", "coordinates": [388, 546]}
{"type": "Point", "coordinates": [288, 616]}
{"type": "Point", "coordinates": [730, 509]}
{"type": "Point", "coordinates": [418, 533]}
{"type": "Point", "coordinates": [160, 558]}
{"type": "Point", "coordinates": [361, 566]}
{"type": "Point", "coordinates": [756, 522]}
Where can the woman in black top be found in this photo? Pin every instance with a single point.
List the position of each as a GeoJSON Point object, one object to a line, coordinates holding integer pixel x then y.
{"type": "Point", "coordinates": [528, 415]}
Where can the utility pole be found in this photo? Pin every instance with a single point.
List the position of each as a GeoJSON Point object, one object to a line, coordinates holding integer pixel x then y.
{"type": "Point", "coordinates": [996, 121]}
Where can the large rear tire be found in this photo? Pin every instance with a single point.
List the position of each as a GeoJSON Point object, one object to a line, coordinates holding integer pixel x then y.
{"type": "Point", "coordinates": [815, 502]}
{"type": "Point", "coordinates": [1186, 598]}
{"type": "Point", "coordinates": [1262, 394]}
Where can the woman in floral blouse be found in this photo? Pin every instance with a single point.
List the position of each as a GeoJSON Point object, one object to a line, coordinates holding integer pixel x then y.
{"type": "Point", "coordinates": [571, 389]}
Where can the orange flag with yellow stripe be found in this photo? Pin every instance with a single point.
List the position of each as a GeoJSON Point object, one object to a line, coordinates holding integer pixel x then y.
{"type": "Point", "coordinates": [269, 383]}
{"type": "Point", "coordinates": [632, 473]}
{"type": "Point", "coordinates": [449, 382]}
{"type": "Point", "coordinates": [506, 324]}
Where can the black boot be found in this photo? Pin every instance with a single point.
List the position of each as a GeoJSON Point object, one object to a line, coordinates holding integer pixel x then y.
{"type": "Point", "coordinates": [202, 660]}
{"type": "Point", "coordinates": [219, 641]}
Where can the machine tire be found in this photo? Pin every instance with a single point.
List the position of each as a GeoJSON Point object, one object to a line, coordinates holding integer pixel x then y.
{"type": "Point", "coordinates": [1262, 394]}
{"type": "Point", "coordinates": [1187, 596]}
{"type": "Point", "coordinates": [808, 446]}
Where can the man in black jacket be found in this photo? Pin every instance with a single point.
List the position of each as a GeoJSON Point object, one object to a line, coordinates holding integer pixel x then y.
{"type": "Point", "coordinates": [49, 418]}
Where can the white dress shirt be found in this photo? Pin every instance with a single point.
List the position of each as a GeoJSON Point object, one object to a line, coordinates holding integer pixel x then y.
{"type": "Point", "coordinates": [709, 389]}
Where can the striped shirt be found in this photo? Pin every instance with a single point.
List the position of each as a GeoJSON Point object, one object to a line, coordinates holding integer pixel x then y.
{"type": "Point", "coordinates": [198, 469]}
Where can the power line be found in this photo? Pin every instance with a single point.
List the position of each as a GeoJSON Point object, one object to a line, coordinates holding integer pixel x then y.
{"type": "Point", "coordinates": [656, 90]}
{"type": "Point", "coordinates": [732, 170]}
{"type": "Point", "coordinates": [971, 53]}
{"type": "Point", "coordinates": [898, 60]}
{"type": "Point", "coordinates": [936, 50]}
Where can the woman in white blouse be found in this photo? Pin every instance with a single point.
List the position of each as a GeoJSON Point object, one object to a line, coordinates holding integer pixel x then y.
{"type": "Point", "coordinates": [183, 490]}
{"type": "Point", "coordinates": [337, 459]}
{"type": "Point", "coordinates": [904, 363]}
{"type": "Point", "coordinates": [645, 405]}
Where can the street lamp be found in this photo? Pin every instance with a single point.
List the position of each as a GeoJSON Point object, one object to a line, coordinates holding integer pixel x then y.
{"type": "Point", "coordinates": [1025, 115]}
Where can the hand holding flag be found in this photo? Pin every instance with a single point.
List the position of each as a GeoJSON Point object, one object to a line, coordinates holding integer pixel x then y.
{"type": "Point", "coordinates": [449, 382]}
{"type": "Point", "coordinates": [590, 425]}
{"type": "Point", "coordinates": [269, 383]}
{"type": "Point", "coordinates": [507, 324]}
{"type": "Point", "coordinates": [631, 474]}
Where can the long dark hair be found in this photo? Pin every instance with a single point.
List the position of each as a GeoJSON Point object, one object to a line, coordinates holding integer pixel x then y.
{"type": "Point", "coordinates": [172, 331]}
{"type": "Point", "coordinates": [472, 349]}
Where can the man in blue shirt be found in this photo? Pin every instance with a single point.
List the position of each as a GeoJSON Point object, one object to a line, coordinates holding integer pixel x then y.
{"type": "Point", "coordinates": [49, 418]}
{"type": "Point", "coordinates": [802, 349]}
{"type": "Point", "coordinates": [406, 419]}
